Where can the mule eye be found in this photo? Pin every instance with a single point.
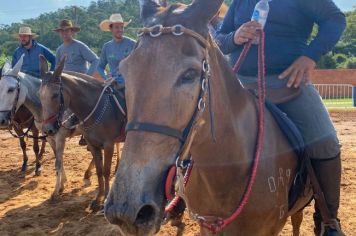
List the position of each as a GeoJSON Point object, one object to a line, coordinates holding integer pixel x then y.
{"type": "Point", "coordinates": [189, 76]}
{"type": "Point", "coordinates": [11, 90]}
{"type": "Point", "coordinates": [55, 96]}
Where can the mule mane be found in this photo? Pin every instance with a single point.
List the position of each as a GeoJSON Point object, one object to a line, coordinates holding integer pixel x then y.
{"type": "Point", "coordinates": [80, 78]}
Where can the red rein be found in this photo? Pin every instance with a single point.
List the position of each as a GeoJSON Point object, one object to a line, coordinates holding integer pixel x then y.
{"type": "Point", "coordinates": [216, 224]}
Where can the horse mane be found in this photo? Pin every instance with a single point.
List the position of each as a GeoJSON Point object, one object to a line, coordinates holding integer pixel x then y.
{"type": "Point", "coordinates": [77, 76]}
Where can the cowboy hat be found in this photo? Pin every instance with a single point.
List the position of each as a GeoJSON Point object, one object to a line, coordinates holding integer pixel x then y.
{"type": "Point", "coordinates": [25, 30]}
{"type": "Point", "coordinates": [114, 18]}
{"type": "Point", "coordinates": [67, 24]}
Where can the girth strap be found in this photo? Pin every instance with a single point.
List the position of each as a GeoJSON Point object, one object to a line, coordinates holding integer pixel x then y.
{"type": "Point", "coordinates": [161, 129]}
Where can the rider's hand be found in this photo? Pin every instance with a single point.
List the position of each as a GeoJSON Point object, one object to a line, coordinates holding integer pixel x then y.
{"type": "Point", "coordinates": [246, 32]}
{"type": "Point", "coordinates": [298, 72]}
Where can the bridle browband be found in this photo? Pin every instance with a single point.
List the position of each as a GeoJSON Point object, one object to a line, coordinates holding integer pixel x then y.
{"type": "Point", "coordinates": [182, 136]}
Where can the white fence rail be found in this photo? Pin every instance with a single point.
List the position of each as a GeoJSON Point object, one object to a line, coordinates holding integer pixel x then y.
{"type": "Point", "coordinates": [336, 95]}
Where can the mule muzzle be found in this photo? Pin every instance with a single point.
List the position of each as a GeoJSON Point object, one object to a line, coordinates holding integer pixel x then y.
{"type": "Point", "coordinates": [50, 129]}
{"type": "Point", "coordinates": [5, 119]}
{"type": "Point", "coordinates": [141, 220]}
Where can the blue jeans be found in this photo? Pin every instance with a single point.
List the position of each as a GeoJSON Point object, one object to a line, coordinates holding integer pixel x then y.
{"type": "Point", "coordinates": [310, 116]}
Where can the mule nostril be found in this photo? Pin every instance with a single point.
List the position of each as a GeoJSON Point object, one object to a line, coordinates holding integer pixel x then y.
{"type": "Point", "coordinates": [145, 215]}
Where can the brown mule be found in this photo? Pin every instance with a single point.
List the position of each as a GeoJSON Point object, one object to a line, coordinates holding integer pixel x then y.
{"type": "Point", "coordinates": [93, 103]}
{"type": "Point", "coordinates": [172, 112]}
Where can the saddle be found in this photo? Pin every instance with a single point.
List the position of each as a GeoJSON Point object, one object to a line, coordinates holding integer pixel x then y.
{"type": "Point", "coordinates": [276, 95]}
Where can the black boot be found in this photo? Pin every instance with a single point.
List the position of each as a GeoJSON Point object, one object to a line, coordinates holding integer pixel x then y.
{"type": "Point", "coordinates": [328, 173]}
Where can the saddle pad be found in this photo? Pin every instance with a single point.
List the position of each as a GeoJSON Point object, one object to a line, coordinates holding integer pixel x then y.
{"type": "Point", "coordinates": [289, 129]}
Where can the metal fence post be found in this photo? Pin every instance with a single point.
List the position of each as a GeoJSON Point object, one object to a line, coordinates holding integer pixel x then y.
{"type": "Point", "coordinates": [353, 95]}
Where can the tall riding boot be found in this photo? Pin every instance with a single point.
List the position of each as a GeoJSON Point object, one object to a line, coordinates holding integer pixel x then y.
{"type": "Point", "coordinates": [328, 173]}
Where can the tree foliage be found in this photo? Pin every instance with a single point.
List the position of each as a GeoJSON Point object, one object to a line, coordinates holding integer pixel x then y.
{"type": "Point", "coordinates": [88, 18]}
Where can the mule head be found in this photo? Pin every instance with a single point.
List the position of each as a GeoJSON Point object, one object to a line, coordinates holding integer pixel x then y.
{"type": "Point", "coordinates": [163, 77]}
{"type": "Point", "coordinates": [52, 97]}
{"type": "Point", "coordinates": [12, 97]}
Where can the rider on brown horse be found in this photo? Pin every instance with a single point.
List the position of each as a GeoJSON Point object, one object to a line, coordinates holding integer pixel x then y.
{"type": "Point", "coordinates": [289, 62]}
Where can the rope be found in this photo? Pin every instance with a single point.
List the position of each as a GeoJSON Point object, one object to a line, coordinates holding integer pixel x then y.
{"type": "Point", "coordinates": [216, 224]}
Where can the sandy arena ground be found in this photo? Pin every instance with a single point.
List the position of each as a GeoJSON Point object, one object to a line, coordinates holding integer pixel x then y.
{"type": "Point", "coordinates": [25, 209]}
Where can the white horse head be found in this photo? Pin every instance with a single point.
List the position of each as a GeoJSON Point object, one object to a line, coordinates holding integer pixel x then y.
{"type": "Point", "coordinates": [11, 96]}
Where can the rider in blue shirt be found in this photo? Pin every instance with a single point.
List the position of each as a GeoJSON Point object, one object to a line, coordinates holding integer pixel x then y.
{"type": "Point", "coordinates": [290, 59]}
{"type": "Point", "coordinates": [117, 49]}
{"type": "Point", "coordinates": [32, 49]}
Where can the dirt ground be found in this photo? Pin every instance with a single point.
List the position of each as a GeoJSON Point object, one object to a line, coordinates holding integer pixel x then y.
{"type": "Point", "coordinates": [25, 209]}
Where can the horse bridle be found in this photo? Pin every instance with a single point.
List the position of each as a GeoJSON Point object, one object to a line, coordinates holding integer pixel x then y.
{"type": "Point", "coordinates": [14, 106]}
{"type": "Point", "coordinates": [185, 136]}
{"type": "Point", "coordinates": [106, 90]}
{"type": "Point", "coordinates": [57, 117]}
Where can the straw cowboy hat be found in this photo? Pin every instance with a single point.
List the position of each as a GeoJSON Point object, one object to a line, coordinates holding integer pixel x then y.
{"type": "Point", "coordinates": [67, 24]}
{"type": "Point", "coordinates": [25, 30]}
{"type": "Point", "coordinates": [114, 18]}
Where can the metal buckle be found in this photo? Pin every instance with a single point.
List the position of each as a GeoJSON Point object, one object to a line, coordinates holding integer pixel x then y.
{"type": "Point", "coordinates": [177, 30]}
{"type": "Point", "coordinates": [157, 29]}
{"type": "Point", "coordinates": [140, 33]}
{"type": "Point", "coordinates": [204, 84]}
{"type": "Point", "coordinates": [201, 105]}
{"type": "Point", "coordinates": [206, 66]}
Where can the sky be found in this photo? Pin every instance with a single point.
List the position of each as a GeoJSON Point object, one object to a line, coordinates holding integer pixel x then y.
{"type": "Point", "coordinates": [12, 11]}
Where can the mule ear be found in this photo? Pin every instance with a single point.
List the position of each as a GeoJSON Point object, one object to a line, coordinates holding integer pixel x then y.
{"type": "Point", "coordinates": [18, 66]}
{"type": "Point", "coordinates": [43, 66]}
{"type": "Point", "coordinates": [148, 8]}
{"type": "Point", "coordinates": [6, 68]}
{"type": "Point", "coordinates": [58, 71]}
{"type": "Point", "coordinates": [203, 10]}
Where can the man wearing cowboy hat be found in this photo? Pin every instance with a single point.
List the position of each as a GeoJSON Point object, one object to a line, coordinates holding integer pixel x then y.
{"type": "Point", "coordinates": [116, 49]}
{"type": "Point", "coordinates": [78, 54]}
{"type": "Point", "coordinates": [32, 49]}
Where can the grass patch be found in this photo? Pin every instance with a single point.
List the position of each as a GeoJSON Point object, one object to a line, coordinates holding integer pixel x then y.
{"type": "Point", "coordinates": [339, 103]}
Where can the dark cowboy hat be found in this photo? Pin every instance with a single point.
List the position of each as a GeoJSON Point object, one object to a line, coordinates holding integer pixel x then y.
{"type": "Point", "coordinates": [66, 24]}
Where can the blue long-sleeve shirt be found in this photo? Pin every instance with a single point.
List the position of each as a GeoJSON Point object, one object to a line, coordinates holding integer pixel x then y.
{"type": "Point", "coordinates": [113, 53]}
{"type": "Point", "coordinates": [287, 30]}
{"type": "Point", "coordinates": [31, 61]}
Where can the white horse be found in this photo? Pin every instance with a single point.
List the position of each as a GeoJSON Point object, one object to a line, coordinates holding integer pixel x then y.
{"type": "Point", "coordinates": [28, 96]}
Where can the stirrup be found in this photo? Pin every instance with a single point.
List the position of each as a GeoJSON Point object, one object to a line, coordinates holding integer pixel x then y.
{"type": "Point", "coordinates": [331, 229]}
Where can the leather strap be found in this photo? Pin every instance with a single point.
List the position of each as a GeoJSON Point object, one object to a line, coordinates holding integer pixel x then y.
{"type": "Point", "coordinates": [160, 129]}
{"type": "Point", "coordinates": [318, 192]}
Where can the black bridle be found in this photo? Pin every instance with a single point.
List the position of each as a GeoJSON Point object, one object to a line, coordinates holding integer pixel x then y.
{"type": "Point", "coordinates": [172, 132]}
{"type": "Point", "coordinates": [58, 116]}
{"type": "Point", "coordinates": [181, 135]}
